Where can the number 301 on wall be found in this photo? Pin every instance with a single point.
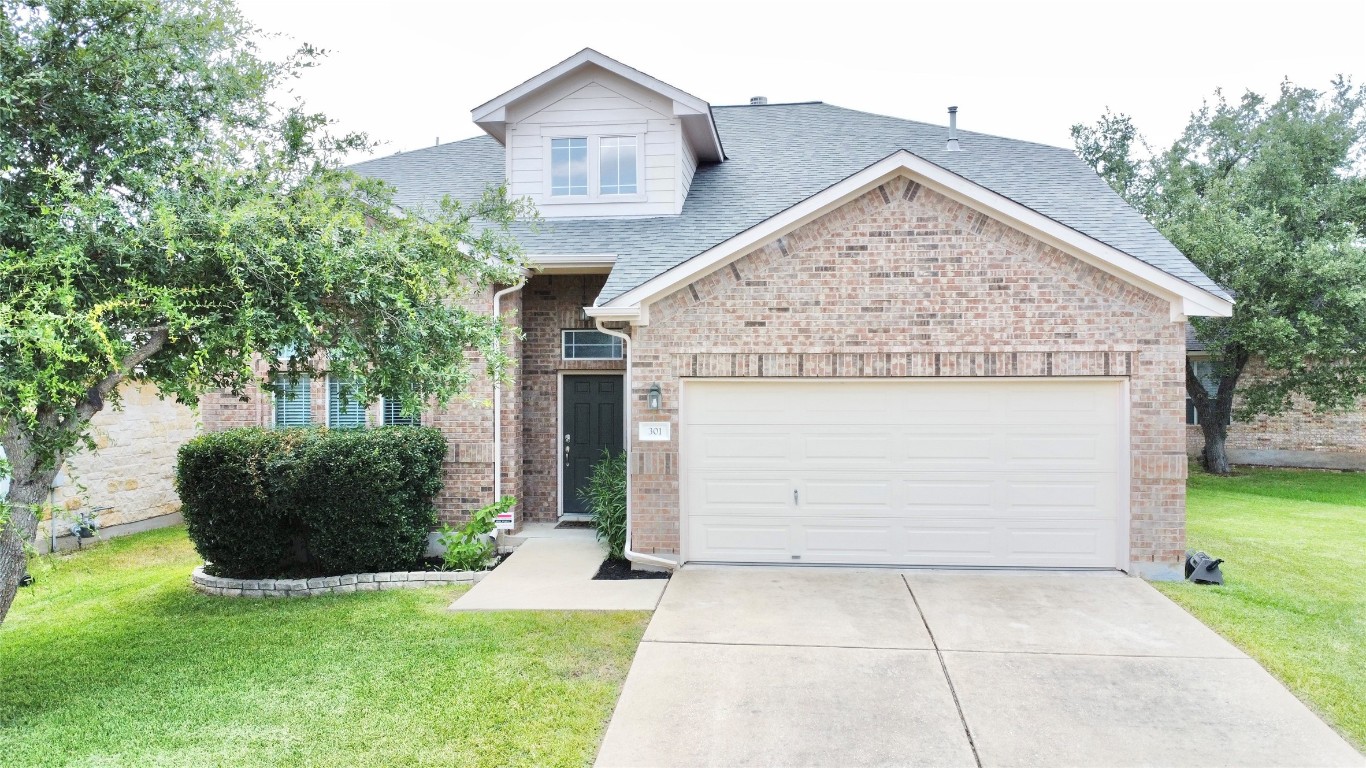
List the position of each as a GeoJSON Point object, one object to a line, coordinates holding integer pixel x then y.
{"type": "Point", "coordinates": [651, 431]}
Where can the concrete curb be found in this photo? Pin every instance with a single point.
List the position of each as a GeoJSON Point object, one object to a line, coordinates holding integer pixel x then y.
{"type": "Point", "coordinates": [329, 585]}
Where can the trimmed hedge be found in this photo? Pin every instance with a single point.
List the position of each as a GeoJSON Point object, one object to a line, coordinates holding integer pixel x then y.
{"type": "Point", "coordinates": [264, 503]}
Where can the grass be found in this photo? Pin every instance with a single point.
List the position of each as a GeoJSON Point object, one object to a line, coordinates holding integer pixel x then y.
{"type": "Point", "coordinates": [1295, 591]}
{"type": "Point", "coordinates": [112, 660]}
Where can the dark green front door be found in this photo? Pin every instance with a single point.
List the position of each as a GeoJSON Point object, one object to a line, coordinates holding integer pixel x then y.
{"type": "Point", "coordinates": [592, 424]}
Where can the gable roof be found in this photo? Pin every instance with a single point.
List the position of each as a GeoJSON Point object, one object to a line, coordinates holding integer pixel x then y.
{"type": "Point", "coordinates": [693, 113]}
{"type": "Point", "coordinates": [779, 155]}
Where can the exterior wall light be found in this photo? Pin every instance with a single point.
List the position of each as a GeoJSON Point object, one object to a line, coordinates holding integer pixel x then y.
{"type": "Point", "coordinates": [654, 400]}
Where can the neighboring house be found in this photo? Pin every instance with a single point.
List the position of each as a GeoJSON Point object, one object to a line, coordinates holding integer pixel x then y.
{"type": "Point", "coordinates": [824, 336]}
{"type": "Point", "coordinates": [128, 482]}
{"type": "Point", "coordinates": [1298, 437]}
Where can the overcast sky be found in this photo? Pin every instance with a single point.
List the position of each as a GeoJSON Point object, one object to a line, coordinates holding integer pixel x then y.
{"type": "Point", "coordinates": [409, 71]}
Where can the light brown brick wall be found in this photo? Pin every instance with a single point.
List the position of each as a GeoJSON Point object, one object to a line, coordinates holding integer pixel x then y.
{"type": "Point", "coordinates": [905, 282]}
{"type": "Point", "coordinates": [551, 303]}
{"type": "Point", "coordinates": [1298, 437]}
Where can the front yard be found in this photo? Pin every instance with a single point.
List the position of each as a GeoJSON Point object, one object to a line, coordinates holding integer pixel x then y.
{"type": "Point", "coordinates": [112, 660]}
{"type": "Point", "coordinates": [1295, 598]}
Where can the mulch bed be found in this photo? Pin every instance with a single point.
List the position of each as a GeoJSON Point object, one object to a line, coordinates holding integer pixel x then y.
{"type": "Point", "coordinates": [620, 570]}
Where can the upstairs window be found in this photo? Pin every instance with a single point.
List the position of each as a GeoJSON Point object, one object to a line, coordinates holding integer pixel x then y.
{"type": "Point", "coordinates": [569, 167]}
{"type": "Point", "coordinates": [344, 411]}
{"type": "Point", "coordinates": [591, 345]}
{"type": "Point", "coordinates": [293, 403]}
{"type": "Point", "coordinates": [617, 165]}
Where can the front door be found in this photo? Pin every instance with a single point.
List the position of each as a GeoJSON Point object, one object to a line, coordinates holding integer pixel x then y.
{"type": "Point", "coordinates": [592, 424]}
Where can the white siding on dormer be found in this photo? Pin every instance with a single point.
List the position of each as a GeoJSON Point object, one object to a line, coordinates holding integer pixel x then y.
{"type": "Point", "coordinates": [686, 168]}
{"type": "Point", "coordinates": [598, 103]}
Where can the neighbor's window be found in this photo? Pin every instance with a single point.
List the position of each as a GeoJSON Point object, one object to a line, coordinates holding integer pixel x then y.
{"type": "Point", "coordinates": [591, 345]}
{"type": "Point", "coordinates": [393, 415]}
{"type": "Point", "coordinates": [617, 165]}
{"type": "Point", "coordinates": [343, 409]}
{"type": "Point", "coordinates": [568, 167]}
{"type": "Point", "coordinates": [293, 406]}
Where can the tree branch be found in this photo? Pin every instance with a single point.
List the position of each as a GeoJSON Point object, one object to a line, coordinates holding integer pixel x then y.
{"type": "Point", "coordinates": [93, 401]}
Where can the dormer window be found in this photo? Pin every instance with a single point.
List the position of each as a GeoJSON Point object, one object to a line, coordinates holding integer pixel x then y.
{"type": "Point", "coordinates": [568, 167]}
{"type": "Point", "coordinates": [594, 168]}
{"type": "Point", "coordinates": [617, 164]}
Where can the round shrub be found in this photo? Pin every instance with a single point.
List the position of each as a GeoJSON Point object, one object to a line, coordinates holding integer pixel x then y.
{"type": "Point", "coordinates": [266, 503]}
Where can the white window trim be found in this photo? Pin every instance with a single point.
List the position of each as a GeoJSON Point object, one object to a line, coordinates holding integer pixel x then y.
{"type": "Point", "coordinates": [564, 337]}
{"type": "Point", "coordinates": [594, 134]}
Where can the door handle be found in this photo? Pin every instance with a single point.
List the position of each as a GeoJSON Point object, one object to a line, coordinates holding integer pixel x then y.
{"type": "Point", "coordinates": [566, 450]}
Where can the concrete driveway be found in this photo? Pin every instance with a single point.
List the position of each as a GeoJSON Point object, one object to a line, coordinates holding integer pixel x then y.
{"type": "Point", "coordinates": [813, 667]}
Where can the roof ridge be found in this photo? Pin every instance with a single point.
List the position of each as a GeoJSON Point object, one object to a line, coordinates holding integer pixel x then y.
{"type": "Point", "coordinates": [961, 131]}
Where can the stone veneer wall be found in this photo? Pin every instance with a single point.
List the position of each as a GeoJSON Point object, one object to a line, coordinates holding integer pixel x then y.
{"type": "Point", "coordinates": [904, 282]}
{"type": "Point", "coordinates": [1299, 437]}
{"type": "Point", "coordinates": [550, 304]}
{"type": "Point", "coordinates": [133, 469]}
{"type": "Point", "coordinates": [329, 585]}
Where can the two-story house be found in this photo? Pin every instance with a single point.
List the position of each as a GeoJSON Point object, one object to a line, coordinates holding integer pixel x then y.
{"type": "Point", "coordinates": [823, 336]}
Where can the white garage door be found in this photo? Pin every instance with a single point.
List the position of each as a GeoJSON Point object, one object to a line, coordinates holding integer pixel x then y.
{"type": "Point", "coordinates": [967, 473]}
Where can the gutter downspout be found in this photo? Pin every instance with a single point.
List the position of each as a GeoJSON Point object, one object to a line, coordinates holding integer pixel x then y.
{"type": "Point", "coordinates": [635, 557]}
{"type": "Point", "coordinates": [498, 402]}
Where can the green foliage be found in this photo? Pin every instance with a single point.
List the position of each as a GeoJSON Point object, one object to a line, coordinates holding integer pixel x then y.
{"type": "Point", "coordinates": [469, 547]}
{"type": "Point", "coordinates": [1268, 199]}
{"type": "Point", "coordinates": [606, 497]}
{"type": "Point", "coordinates": [165, 219]}
{"type": "Point", "coordinates": [259, 503]}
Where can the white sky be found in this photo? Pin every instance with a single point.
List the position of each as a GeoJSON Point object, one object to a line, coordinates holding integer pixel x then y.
{"type": "Point", "coordinates": [408, 71]}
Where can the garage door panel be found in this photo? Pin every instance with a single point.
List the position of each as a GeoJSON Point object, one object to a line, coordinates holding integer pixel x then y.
{"type": "Point", "coordinates": [859, 496]}
{"type": "Point", "coordinates": [903, 472]}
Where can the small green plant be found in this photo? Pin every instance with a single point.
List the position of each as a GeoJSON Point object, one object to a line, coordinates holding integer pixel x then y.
{"type": "Point", "coordinates": [606, 496]}
{"type": "Point", "coordinates": [469, 547]}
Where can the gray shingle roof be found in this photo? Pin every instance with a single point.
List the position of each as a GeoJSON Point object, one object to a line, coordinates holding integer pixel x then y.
{"type": "Point", "coordinates": [777, 156]}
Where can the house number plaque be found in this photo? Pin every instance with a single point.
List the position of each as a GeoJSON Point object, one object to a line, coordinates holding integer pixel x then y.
{"type": "Point", "coordinates": [651, 431]}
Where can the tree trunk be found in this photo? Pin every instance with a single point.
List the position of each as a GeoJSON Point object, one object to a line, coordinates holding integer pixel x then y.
{"type": "Point", "coordinates": [1214, 457]}
{"type": "Point", "coordinates": [29, 485]}
{"type": "Point", "coordinates": [1215, 411]}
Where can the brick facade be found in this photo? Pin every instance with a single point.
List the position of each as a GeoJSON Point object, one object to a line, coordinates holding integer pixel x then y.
{"type": "Point", "coordinates": [546, 305]}
{"type": "Point", "coordinates": [1298, 437]}
{"type": "Point", "coordinates": [551, 303]}
{"type": "Point", "coordinates": [903, 282]}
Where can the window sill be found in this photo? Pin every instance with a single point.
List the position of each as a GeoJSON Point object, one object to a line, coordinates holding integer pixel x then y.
{"type": "Point", "coordinates": [582, 199]}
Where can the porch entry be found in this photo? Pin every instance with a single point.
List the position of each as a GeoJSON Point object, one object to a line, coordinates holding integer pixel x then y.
{"type": "Point", "coordinates": [591, 418]}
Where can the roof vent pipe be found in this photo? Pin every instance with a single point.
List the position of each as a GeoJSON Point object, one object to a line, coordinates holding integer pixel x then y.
{"type": "Point", "coordinates": [758, 101]}
{"type": "Point", "coordinates": [953, 131]}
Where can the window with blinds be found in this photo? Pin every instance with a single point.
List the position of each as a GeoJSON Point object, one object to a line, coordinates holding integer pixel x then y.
{"type": "Point", "coordinates": [394, 417]}
{"type": "Point", "coordinates": [293, 406]}
{"type": "Point", "coordinates": [344, 411]}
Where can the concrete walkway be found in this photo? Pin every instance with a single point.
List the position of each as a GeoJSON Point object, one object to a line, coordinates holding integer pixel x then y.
{"type": "Point", "coordinates": [554, 572]}
{"type": "Point", "coordinates": [817, 667]}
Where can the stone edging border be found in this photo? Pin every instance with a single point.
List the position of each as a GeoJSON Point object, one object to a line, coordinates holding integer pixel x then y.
{"type": "Point", "coordinates": [328, 585]}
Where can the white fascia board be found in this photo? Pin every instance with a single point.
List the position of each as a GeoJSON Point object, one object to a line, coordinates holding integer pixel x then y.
{"type": "Point", "coordinates": [571, 263]}
{"type": "Point", "coordinates": [487, 110]}
{"type": "Point", "coordinates": [632, 315]}
{"type": "Point", "coordinates": [1187, 299]}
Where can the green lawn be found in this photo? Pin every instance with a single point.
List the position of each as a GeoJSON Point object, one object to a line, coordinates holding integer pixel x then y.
{"type": "Point", "coordinates": [1295, 597]}
{"type": "Point", "coordinates": [112, 660]}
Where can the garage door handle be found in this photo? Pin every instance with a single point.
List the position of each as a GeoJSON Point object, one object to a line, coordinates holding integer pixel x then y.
{"type": "Point", "coordinates": [794, 497]}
